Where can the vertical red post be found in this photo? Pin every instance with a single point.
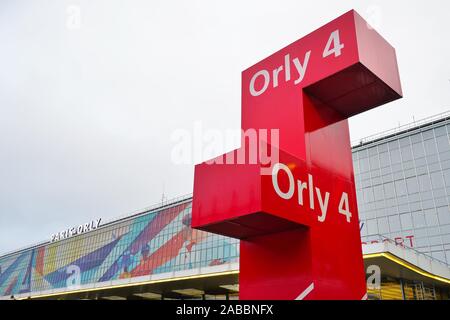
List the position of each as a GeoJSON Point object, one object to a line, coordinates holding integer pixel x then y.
{"type": "Point", "coordinates": [296, 215]}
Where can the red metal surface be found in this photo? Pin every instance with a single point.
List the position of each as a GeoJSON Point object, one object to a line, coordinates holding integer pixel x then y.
{"type": "Point", "coordinates": [306, 91]}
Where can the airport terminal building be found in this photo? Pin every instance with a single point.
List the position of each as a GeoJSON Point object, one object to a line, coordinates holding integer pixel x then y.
{"type": "Point", "coordinates": [403, 191]}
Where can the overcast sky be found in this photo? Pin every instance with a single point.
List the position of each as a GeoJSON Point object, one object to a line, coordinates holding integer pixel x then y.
{"type": "Point", "coordinates": [91, 91]}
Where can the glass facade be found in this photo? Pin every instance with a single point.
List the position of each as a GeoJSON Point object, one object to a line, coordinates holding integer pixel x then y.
{"type": "Point", "coordinates": [403, 188]}
{"type": "Point", "coordinates": [150, 243]}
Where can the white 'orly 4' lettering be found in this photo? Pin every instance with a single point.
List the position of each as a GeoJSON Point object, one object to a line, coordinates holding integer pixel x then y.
{"type": "Point", "coordinates": [301, 186]}
{"type": "Point", "coordinates": [300, 69]}
{"type": "Point", "coordinates": [332, 47]}
{"type": "Point", "coordinates": [314, 193]}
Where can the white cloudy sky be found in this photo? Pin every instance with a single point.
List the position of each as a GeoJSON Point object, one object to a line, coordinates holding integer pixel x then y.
{"type": "Point", "coordinates": [87, 109]}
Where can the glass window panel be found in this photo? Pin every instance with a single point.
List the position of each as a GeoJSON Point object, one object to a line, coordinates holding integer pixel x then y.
{"type": "Point", "coordinates": [406, 221]}
{"type": "Point", "coordinates": [381, 209]}
{"type": "Point", "coordinates": [433, 231]}
{"type": "Point", "coordinates": [383, 226]}
{"type": "Point", "coordinates": [373, 151]}
{"type": "Point", "coordinates": [439, 255]}
{"type": "Point", "coordinates": [402, 199]}
{"type": "Point", "coordinates": [430, 147]}
{"type": "Point", "coordinates": [443, 143]}
{"type": "Point", "coordinates": [443, 215]}
{"type": "Point", "coordinates": [404, 208]}
{"type": "Point", "coordinates": [415, 206]}
{"type": "Point", "coordinates": [398, 175]}
{"type": "Point", "coordinates": [418, 150]}
{"type": "Point", "coordinates": [391, 203]}
{"type": "Point", "coordinates": [359, 196]}
{"type": "Point", "coordinates": [441, 201]}
{"type": "Point", "coordinates": [432, 159]}
{"type": "Point", "coordinates": [389, 190]}
{"type": "Point", "coordinates": [428, 134]}
{"type": "Point", "coordinates": [387, 178]}
{"type": "Point", "coordinates": [428, 204]}
{"type": "Point", "coordinates": [374, 163]}
{"type": "Point", "coordinates": [363, 154]}
{"type": "Point", "coordinates": [393, 145]}
{"type": "Point", "coordinates": [396, 167]}
{"type": "Point", "coordinates": [421, 232]}
{"type": "Point", "coordinates": [421, 242]}
{"type": "Point", "coordinates": [446, 174]}
{"type": "Point", "coordinates": [426, 195]}
{"type": "Point", "coordinates": [421, 162]}
{"type": "Point", "coordinates": [439, 193]}
{"type": "Point", "coordinates": [434, 167]}
{"type": "Point", "coordinates": [441, 131]}
{"type": "Point", "coordinates": [368, 195]}
{"type": "Point", "coordinates": [366, 184]}
{"type": "Point", "coordinates": [365, 175]}
{"type": "Point", "coordinates": [404, 142]}
{"type": "Point", "coordinates": [416, 138]}
{"type": "Point", "coordinates": [383, 148]}
{"type": "Point", "coordinates": [436, 180]}
{"type": "Point", "coordinates": [412, 185]}
{"type": "Point", "coordinates": [408, 165]}
{"type": "Point", "coordinates": [419, 219]}
{"type": "Point", "coordinates": [376, 180]}
{"type": "Point", "coordinates": [400, 187]}
{"type": "Point", "coordinates": [431, 217]}
{"type": "Point", "coordinates": [410, 173]}
{"type": "Point", "coordinates": [378, 192]}
{"type": "Point", "coordinates": [443, 156]}
{"type": "Point", "coordinates": [445, 164]}
{"type": "Point", "coordinates": [406, 153]}
{"type": "Point", "coordinates": [394, 223]}
{"type": "Point", "coordinates": [372, 227]}
{"type": "Point", "coordinates": [364, 165]}
{"type": "Point", "coordinates": [370, 214]}
{"type": "Point", "coordinates": [434, 241]}
{"type": "Point", "coordinates": [384, 159]}
{"type": "Point", "coordinates": [424, 182]}
{"type": "Point", "coordinates": [395, 156]}
{"type": "Point", "coordinates": [364, 229]}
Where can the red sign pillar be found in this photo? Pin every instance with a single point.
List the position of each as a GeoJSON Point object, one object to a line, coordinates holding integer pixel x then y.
{"type": "Point", "coordinates": [294, 205]}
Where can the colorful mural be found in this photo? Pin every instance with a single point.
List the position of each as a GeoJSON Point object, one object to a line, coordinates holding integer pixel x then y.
{"type": "Point", "coordinates": [151, 243]}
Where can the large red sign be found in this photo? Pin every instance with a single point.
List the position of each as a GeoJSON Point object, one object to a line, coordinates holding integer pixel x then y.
{"type": "Point", "coordinates": [286, 212]}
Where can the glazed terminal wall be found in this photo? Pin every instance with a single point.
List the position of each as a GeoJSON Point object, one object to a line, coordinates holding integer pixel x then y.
{"type": "Point", "coordinates": [151, 243]}
{"type": "Point", "coordinates": [403, 187]}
